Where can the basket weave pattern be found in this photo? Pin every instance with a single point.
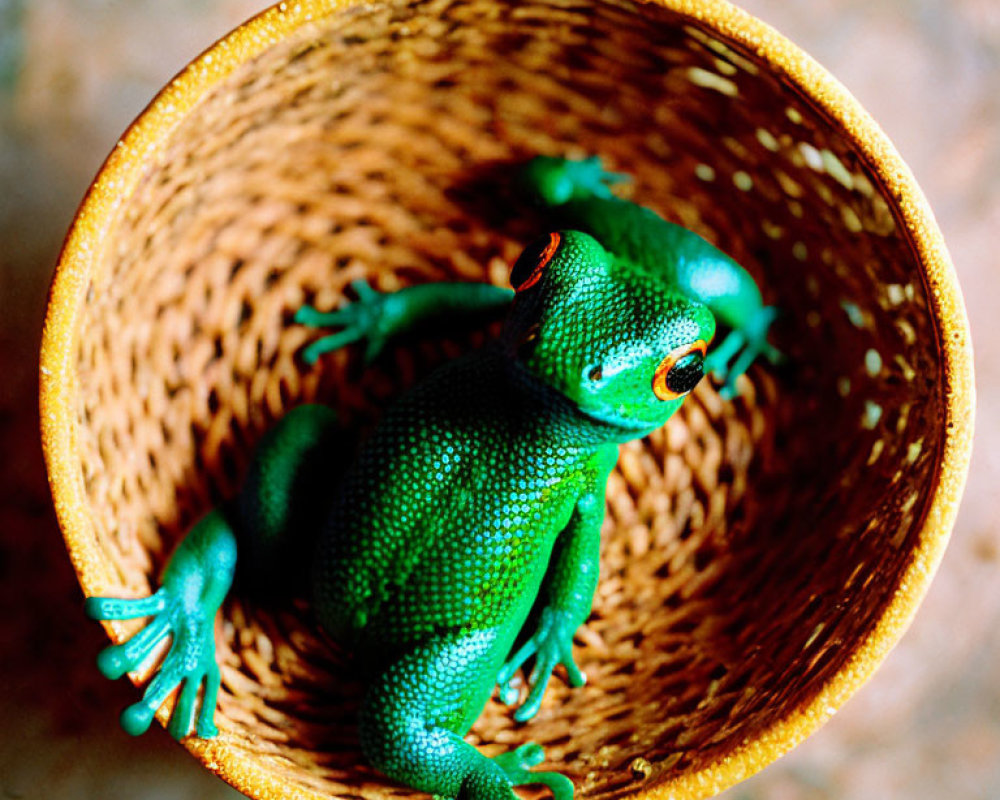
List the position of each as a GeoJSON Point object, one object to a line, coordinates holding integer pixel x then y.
{"type": "Point", "coordinates": [749, 545]}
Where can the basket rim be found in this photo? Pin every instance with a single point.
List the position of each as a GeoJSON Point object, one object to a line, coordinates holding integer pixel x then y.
{"type": "Point", "coordinates": [147, 136]}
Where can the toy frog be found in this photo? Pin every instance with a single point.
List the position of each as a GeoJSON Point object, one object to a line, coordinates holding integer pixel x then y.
{"type": "Point", "coordinates": [479, 496]}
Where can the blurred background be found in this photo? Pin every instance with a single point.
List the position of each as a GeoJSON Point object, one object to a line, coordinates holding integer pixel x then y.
{"type": "Point", "coordinates": [74, 73]}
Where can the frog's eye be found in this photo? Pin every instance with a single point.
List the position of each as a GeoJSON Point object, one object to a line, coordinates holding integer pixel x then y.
{"type": "Point", "coordinates": [680, 371]}
{"type": "Point", "coordinates": [529, 267]}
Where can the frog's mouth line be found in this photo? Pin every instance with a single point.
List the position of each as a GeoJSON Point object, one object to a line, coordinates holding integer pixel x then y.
{"type": "Point", "coordinates": [619, 423]}
{"type": "Point", "coordinates": [618, 426]}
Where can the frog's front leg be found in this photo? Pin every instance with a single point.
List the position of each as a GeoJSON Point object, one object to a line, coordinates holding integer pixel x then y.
{"type": "Point", "coordinates": [552, 180]}
{"type": "Point", "coordinates": [742, 346]}
{"type": "Point", "coordinates": [578, 195]}
{"type": "Point", "coordinates": [417, 710]}
{"type": "Point", "coordinates": [569, 592]}
{"type": "Point", "coordinates": [376, 317]}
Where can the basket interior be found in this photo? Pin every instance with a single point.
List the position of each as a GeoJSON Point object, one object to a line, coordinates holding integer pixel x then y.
{"type": "Point", "coordinates": [750, 546]}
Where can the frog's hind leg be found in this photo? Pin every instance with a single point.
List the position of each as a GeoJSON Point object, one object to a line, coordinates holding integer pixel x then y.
{"type": "Point", "coordinates": [285, 496]}
{"type": "Point", "coordinates": [416, 712]}
{"type": "Point", "coordinates": [517, 764]}
{"type": "Point", "coordinates": [264, 523]}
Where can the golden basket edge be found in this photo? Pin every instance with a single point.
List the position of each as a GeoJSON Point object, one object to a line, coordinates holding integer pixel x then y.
{"type": "Point", "coordinates": [147, 135]}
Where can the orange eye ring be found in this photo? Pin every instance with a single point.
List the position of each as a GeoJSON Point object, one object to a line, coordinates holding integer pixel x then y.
{"type": "Point", "coordinates": [540, 262]}
{"type": "Point", "coordinates": [661, 378]}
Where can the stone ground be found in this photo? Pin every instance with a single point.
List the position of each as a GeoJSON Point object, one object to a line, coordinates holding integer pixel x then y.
{"type": "Point", "coordinates": [73, 73]}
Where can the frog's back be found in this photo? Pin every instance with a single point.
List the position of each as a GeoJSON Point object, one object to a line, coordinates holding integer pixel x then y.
{"type": "Point", "coordinates": [464, 500]}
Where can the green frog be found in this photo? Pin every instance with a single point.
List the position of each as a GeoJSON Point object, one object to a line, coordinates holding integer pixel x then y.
{"type": "Point", "coordinates": [463, 540]}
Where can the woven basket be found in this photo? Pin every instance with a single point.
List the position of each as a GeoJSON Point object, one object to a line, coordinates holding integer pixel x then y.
{"type": "Point", "coordinates": [760, 556]}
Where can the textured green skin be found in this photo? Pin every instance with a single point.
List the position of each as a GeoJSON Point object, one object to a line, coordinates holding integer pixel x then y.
{"type": "Point", "coordinates": [576, 194]}
{"type": "Point", "coordinates": [478, 498]}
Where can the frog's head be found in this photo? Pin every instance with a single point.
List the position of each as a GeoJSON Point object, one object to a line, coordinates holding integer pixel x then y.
{"type": "Point", "coordinates": [623, 346]}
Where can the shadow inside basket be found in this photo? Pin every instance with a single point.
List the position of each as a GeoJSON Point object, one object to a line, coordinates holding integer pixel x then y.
{"type": "Point", "coordinates": [750, 545]}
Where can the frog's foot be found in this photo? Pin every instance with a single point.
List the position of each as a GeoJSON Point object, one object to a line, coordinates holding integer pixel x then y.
{"type": "Point", "coordinates": [551, 645]}
{"type": "Point", "coordinates": [190, 660]}
{"type": "Point", "coordinates": [517, 764]}
{"type": "Point", "coordinates": [194, 584]}
{"type": "Point", "coordinates": [589, 178]}
{"type": "Point", "coordinates": [362, 319]}
{"type": "Point", "coordinates": [555, 181]}
{"type": "Point", "coordinates": [734, 355]}
{"type": "Point", "coordinates": [416, 712]}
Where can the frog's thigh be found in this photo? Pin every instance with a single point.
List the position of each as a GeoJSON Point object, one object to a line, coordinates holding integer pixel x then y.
{"type": "Point", "coordinates": [415, 714]}
{"type": "Point", "coordinates": [293, 449]}
{"type": "Point", "coordinates": [282, 493]}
